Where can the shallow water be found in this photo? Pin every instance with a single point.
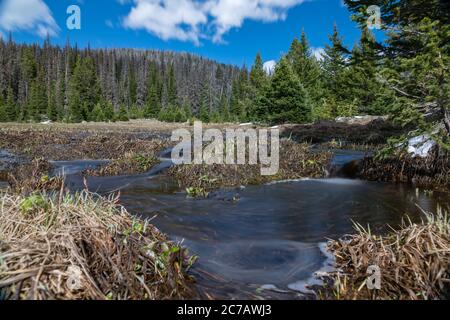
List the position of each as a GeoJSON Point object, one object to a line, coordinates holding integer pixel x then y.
{"type": "Point", "coordinates": [269, 237]}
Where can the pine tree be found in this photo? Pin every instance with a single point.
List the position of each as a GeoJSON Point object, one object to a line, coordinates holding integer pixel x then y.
{"type": "Point", "coordinates": [306, 67]}
{"type": "Point", "coordinates": [38, 101]}
{"type": "Point", "coordinates": [258, 86]}
{"type": "Point", "coordinates": [363, 86]}
{"type": "Point", "coordinates": [334, 68]}
{"type": "Point", "coordinates": [153, 103]}
{"type": "Point", "coordinates": [3, 113]}
{"type": "Point", "coordinates": [52, 111]}
{"type": "Point", "coordinates": [288, 100]}
{"type": "Point", "coordinates": [172, 88]}
{"type": "Point", "coordinates": [97, 114]}
{"type": "Point", "coordinates": [422, 81]}
{"type": "Point", "coordinates": [108, 110]}
{"type": "Point", "coordinates": [240, 98]}
{"type": "Point", "coordinates": [204, 109]}
{"type": "Point", "coordinates": [11, 106]}
{"type": "Point", "coordinates": [84, 88]}
{"type": "Point", "coordinates": [122, 114]}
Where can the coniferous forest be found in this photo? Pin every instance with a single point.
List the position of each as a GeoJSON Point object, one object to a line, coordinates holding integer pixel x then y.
{"type": "Point", "coordinates": [405, 76]}
{"type": "Point", "coordinates": [325, 177]}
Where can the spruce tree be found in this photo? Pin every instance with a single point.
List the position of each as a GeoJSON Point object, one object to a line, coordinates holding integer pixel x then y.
{"type": "Point", "coordinates": [258, 86]}
{"type": "Point", "coordinates": [306, 67]}
{"type": "Point", "coordinates": [3, 112]}
{"type": "Point", "coordinates": [363, 86]}
{"type": "Point", "coordinates": [84, 88]}
{"type": "Point", "coordinates": [334, 66]}
{"type": "Point", "coordinates": [172, 87]}
{"type": "Point", "coordinates": [97, 114]}
{"type": "Point", "coordinates": [153, 103]}
{"type": "Point", "coordinates": [52, 111]}
{"type": "Point", "coordinates": [122, 114]}
{"type": "Point", "coordinates": [288, 100]}
{"type": "Point", "coordinates": [11, 107]}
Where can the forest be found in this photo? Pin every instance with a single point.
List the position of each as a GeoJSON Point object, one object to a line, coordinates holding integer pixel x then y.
{"type": "Point", "coordinates": [96, 206]}
{"type": "Point", "coordinates": [404, 76]}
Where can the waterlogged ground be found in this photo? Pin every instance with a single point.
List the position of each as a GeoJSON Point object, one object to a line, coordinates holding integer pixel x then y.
{"type": "Point", "coordinates": [260, 241]}
{"type": "Point", "coordinates": [255, 241]}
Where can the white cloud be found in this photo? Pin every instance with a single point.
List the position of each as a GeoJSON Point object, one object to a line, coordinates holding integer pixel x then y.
{"type": "Point", "coordinates": [27, 15]}
{"type": "Point", "coordinates": [318, 53]}
{"type": "Point", "coordinates": [191, 20]}
{"type": "Point", "coordinates": [228, 14]}
{"type": "Point", "coordinates": [168, 19]}
{"type": "Point", "coordinates": [269, 67]}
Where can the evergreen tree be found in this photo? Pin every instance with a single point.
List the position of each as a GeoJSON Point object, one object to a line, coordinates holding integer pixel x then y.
{"type": "Point", "coordinates": [108, 110]}
{"type": "Point", "coordinates": [132, 87]}
{"type": "Point", "coordinates": [334, 71]}
{"type": "Point", "coordinates": [305, 66]}
{"type": "Point", "coordinates": [84, 89]}
{"type": "Point", "coordinates": [153, 103]}
{"type": "Point", "coordinates": [38, 102]}
{"type": "Point", "coordinates": [363, 86]}
{"type": "Point", "coordinates": [11, 106]}
{"type": "Point", "coordinates": [258, 86]}
{"type": "Point", "coordinates": [3, 113]}
{"type": "Point", "coordinates": [204, 109]}
{"type": "Point", "coordinates": [122, 114]}
{"type": "Point", "coordinates": [172, 88]}
{"type": "Point", "coordinates": [52, 111]}
{"type": "Point", "coordinates": [240, 98]}
{"type": "Point", "coordinates": [287, 98]}
{"type": "Point", "coordinates": [97, 114]}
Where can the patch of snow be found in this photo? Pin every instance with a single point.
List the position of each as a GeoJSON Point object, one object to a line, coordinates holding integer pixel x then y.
{"type": "Point", "coordinates": [420, 146]}
{"type": "Point", "coordinates": [46, 122]}
{"type": "Point", "coordinates": [246, 124]}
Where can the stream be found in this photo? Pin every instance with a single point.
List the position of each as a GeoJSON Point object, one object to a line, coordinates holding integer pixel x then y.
{"type": "Point", "coordinates": [260, 241]}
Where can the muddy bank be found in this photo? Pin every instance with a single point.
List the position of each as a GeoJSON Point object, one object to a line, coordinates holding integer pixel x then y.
{"type": "Point", "coordinates": [66, 144]}
{"type": "Point", "coordinates": [431, 172]}
{"type": "Point", "coordinates": [344, 134]}
{"type": "Point", "coordinates": [297, 161]}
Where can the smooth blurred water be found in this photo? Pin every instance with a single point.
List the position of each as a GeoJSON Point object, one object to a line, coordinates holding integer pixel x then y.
{"type": "Point", "coordinates": [269, 236]}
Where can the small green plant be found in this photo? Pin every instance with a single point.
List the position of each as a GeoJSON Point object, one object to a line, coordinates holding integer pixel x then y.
{"type": "Point", "coordinates": [196, 192]}
{"type": "Point", "coordinates": [33, 203]}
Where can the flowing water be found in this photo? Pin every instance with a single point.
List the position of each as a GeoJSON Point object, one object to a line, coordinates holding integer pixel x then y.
{"type": "Point", "coordinates": [261, 240]}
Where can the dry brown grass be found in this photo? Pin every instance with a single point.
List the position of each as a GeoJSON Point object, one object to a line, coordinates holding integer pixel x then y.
{"type": "Point", "coordinates": [31, 177]}
{"type": "Point", "coordinates": [414, 262]}
{"type": "Point", "coordinates": [433, 171]}
{"type": "Point", "coordinates": [296, 161]}
{"type": "Point", "coordinates": [131, 163]}
{"type": "Point", "coordinates": [84, 247]}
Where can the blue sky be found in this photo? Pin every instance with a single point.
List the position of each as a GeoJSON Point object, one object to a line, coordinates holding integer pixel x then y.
{"type": "Point", "coordinates": [229, 31]}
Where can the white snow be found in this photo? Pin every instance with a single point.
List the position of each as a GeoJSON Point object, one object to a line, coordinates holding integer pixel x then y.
{"type": "Point", "coordinates": [420, 146]}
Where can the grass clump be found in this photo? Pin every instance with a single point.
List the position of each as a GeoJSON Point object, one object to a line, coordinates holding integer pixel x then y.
{"type": "Point", "coordinates": [296, 161]}
{"type": "Point", "coordinates": [83, 246]}
{"type": "Point", "coordinates": [414, 262]}
{"type": "Point", "coordinates": [31, 177]}
{"type": "Point", "coordinates": [130, 163]}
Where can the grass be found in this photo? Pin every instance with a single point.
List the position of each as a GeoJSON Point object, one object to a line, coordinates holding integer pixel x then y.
{"type": "Point", "coordinates": [129, 164]}
{"type": "Point", "coordinates": [414, 262]}
{"type": "Point", "coordinates": [296, 161]}
{"type": "Point", "coordinates": [82, 246]}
